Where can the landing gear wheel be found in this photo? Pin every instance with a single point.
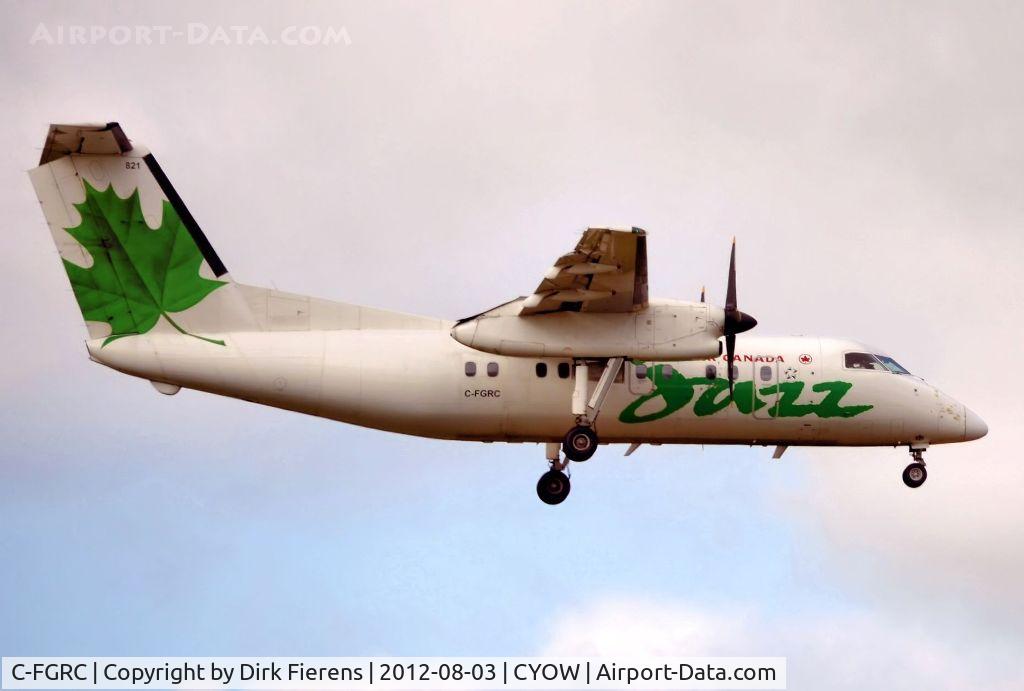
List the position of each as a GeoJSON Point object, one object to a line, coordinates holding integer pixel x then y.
{"type": "Point", "coordinates": [580, 443]}
{"type": "Point", "coordinates": [553, 487]}
{"type": "Point", "coordinates": [914, 475]}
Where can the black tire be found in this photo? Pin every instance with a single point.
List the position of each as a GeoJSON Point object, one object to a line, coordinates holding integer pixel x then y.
{"type": "Point", "coordinates": [579, 444]}
{"type": "Point", "coordinates": [553, 487]}
{"type": "Point", "coordinates": [914, 475]}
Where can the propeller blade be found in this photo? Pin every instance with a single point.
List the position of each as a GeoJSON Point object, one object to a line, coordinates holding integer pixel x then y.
{"type": "Point", "coordinates": [702, 293]}
{"type": "Point", "coordinates": [730, 352]}
{"type": "Point", "coordinates": [730, 292]}
{"type": "Point", "coordinates": [736, 322]}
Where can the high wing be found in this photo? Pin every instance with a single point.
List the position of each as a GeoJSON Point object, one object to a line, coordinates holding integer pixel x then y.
{"type": "Point", "coordinates": [607, 272]}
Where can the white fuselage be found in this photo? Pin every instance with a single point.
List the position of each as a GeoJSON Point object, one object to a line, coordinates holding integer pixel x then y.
{"type": "Point", "coordinates": [789, 390]}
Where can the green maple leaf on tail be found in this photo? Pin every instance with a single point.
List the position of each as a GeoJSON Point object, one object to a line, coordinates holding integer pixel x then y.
{"type": "Point", "coordinates": [139, 274]}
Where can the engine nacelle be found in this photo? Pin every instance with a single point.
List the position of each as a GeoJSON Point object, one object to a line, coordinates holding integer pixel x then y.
{"type": "Point", "coordinates": [664, 330]}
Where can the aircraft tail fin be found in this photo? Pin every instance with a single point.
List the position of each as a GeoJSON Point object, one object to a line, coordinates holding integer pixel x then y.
{"type": "Point", "coordinates": [136, 258]}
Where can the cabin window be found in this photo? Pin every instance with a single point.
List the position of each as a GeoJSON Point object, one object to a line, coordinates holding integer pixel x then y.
{"type": "Point", "coordinates": [710, 372]}
{"type": "Point", "coordinates": [641, 371]}
{"type": "Point", "coordinates": [492, 369]}
{"type": "Point", "coordinates": [735, 372]}
{"type": "Point", "coordinates": [542, 369]}
{"type": "Point", "coordinates": [470, 369]}
{"type": "Point", "coordinates": [766, 373]}
{"type": "Point", "coordinates": [667, 371]}
{"type": "Point", "coordinates": [863, 361]}
{"type": "Point", "coordinates": [563, 370]}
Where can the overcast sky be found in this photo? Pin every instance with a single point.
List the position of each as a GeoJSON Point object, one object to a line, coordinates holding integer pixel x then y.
{"type": "Point", "coordinates": [869, 157]}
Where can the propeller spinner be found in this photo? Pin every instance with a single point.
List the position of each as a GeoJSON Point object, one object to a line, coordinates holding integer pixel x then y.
{"type": "Point", "coordinates": [736, 322]}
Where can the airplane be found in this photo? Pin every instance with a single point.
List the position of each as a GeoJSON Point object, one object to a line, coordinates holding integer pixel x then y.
{"type": "Point", "coordinates": [586, 359]}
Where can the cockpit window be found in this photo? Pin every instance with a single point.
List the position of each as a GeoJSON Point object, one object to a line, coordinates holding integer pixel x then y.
{"type": "Point", "coordinates": [864, 361]}
{"type": "Point", "coordinates": [892, 365]}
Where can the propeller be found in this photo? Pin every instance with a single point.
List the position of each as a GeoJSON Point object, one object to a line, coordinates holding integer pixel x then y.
{"type": "Point", "coordinates": [736, 322]}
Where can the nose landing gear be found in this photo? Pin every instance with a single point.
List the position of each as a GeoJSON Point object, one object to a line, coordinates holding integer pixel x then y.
{"type": "Point", "coordinates": [915, 474]}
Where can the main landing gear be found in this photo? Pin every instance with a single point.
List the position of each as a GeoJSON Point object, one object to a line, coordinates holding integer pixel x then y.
{"type": "Point", "coordinates": [581, 441]}
{"type": "Point", "coordinates": [553, 486]}
{"type": "Point", "coordinates": [915, 474]}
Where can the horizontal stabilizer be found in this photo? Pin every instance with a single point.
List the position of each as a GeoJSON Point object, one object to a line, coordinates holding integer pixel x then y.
{"type": "Point", "coordinates": [64, 140]}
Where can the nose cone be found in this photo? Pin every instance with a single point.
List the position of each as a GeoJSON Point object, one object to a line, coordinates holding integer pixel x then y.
{"type": "Point", "coordinates": [974, 426]}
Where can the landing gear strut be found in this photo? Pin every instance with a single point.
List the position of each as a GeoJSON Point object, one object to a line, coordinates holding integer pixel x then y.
{"type": "Point", "coordinates": [581, 441]}
{"type": "Point", "coordinates": [915, 474]}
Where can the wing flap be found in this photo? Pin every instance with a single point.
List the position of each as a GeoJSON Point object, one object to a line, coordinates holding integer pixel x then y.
{"type": "Point", "coordinates": [607, 272]}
